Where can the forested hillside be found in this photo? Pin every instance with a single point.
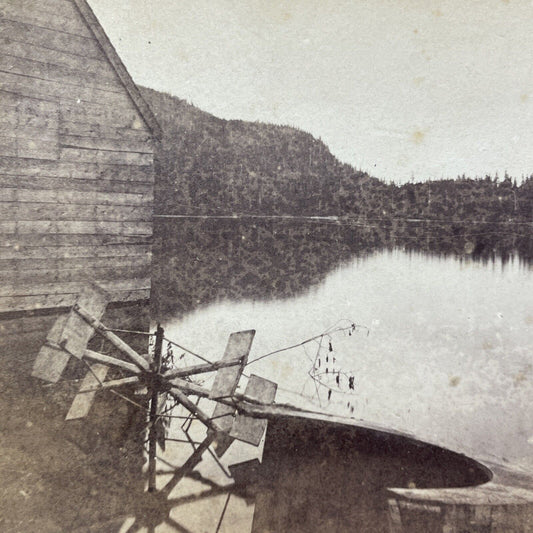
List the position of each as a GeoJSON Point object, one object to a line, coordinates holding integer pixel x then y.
{"type": "Point", "coordinates": [209, 165]}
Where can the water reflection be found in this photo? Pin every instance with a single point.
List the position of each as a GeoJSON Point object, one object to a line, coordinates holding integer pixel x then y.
{"type": "Point", "coordinates": [199, 261]}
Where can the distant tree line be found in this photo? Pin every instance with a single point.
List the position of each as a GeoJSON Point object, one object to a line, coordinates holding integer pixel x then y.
{"type": "Point", "coordinates": [207, 165]}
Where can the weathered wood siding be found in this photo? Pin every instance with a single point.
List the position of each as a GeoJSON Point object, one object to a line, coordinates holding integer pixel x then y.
{"type": "Point", "coordinates": [76, 163]}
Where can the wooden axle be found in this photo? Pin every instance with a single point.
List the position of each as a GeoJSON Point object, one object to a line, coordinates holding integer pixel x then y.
{"type": "Point", "coordinates": [152, 434]}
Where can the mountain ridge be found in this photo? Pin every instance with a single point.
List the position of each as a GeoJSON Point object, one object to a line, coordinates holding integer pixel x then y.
{"type": "Point", "coordinates": [206, 162]}
{"type": "Point", "coordinates": [207, 165]}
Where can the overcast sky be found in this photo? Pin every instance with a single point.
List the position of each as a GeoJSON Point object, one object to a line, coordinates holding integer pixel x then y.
{"type": "Point", "coordinates": [401, 89]}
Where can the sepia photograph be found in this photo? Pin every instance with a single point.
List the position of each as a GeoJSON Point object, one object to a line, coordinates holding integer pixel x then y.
{"type": "Point", "coordinates": [266, 266]}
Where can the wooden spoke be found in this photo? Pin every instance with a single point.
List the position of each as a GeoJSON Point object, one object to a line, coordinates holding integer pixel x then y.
{"type": "Point", "coordinates": [189, 388]}
{"type": "Point", "coordinates": [178, 527]}
{"type": "Point", "coordinates": [108, 360]}
{"type": "Point", "coordinates": [115, 384]}
{"type": "Point", "coordinates": [200, 369]}
{"type": "Point", "coordinates": [116, 341]}
{"type": "Point", "coordinates": [194, 409]}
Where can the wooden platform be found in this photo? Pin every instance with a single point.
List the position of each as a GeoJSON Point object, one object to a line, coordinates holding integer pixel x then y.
{"type": "Point", "coordinates": [504, 504]}
{"type": "Point", "coordinates": [343, 471]}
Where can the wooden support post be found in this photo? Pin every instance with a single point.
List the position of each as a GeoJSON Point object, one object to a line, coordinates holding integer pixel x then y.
{"type": "Point", "coordinates": [190, 463]}
{"type": "Point", "coordinates": [394, 516]}
{"type": "Point", "coordinates": [152, 436]}
{"type": "Point", "coordinates": [116, 341]}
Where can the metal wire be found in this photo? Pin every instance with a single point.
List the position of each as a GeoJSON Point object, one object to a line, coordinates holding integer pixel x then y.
{"type": "Point", "coordinates": [138, 405]}
{"type": "Point", "coordinates": [116, 330]}
{"type": "Point", "coordinates": [205, 360]}
{"type": "Point", "coordinates": [326, 333]}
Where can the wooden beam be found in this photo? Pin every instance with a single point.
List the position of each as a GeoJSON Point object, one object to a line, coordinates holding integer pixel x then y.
{"type": "Point", "coordinates": [190, 464]}
{"type": "Point", "coordinates": [54, 91]}
{"type": "Point", "coordinates": [53, 39]}
{"type": "Point", "coordinates": [116, 341]}
{"type": "Point", "coordinates": [16, 210]}
{"type": "Point", "coordinates": [72, 239]}
{"type": "Point", "coordinates": [74, 263]}
{"type": "Point", "coordinates": [58, 73]}
{"type": "Point", "coordinates": [64, 20]}
{"type": "Point", "coordinates": [189, 388]}
{"type": "Point", "coordinates": [28, 288]}
{"type": "Point", "coordinates": [394, 517]}
{"type": "Point", "coordinates": [102, 191]}
{"type": "Point", "coordinates": [104, 131]}
{"type": "Point", "coordinates": [154, 403]}
{"type": "Point", "coordinates": [77, 171]}
{"type": "Point", "coordinates": [115, 383]}
{"type": "Point", "coordinates": [16, 280]}
{"type": "Point", "coordinates": [96, 142]}
{"type": "Point", "coordinates": [59, 58]}
{"type": "Point", "coordinates": [250, 406]}
{"type": "Point", "coordinates": [84, 155]}
{"type": "Point", "coordinates": [112, 361]}
{"type": "Point", "coordinates": [195, 410]}
{"type": "Point", "coordinates": [200, 369]}
{"type": "Point", "coordinates": [21, 251]}
{"type": "Point", "coordinates": [79, 227]}
{"type": "Point", "coordinates": [42, 301]}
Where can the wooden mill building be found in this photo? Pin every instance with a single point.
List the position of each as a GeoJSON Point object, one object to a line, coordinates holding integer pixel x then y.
{"type": "Point", "coordinates": [76, 160]}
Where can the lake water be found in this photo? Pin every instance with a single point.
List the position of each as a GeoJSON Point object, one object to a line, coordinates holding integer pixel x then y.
{"type": "Point", "coordinates": [446, 351]}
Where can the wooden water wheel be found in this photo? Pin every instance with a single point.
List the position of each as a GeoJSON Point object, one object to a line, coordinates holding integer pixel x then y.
{"type": "Point", "coordinates": [235, 417]}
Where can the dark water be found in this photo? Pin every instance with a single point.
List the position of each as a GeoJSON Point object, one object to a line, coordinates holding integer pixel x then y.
{"type": "Point", "coordinates": [448, 308]}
